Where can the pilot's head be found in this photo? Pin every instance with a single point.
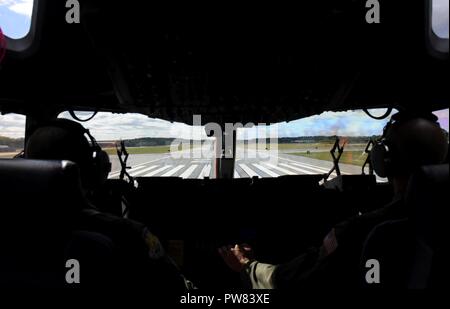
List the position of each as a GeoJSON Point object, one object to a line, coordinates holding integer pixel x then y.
{"type": "Point", "coordinates": [63, 139]}
{"type": "Point", "coordinates": [409, 141]}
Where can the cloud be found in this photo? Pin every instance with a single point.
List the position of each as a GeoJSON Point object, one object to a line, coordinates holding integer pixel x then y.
{"type": "Point", "coordinates": [107, 126]}
{"type": "Point", "coordinates": [353, 123]}
{"type": "Point", "coordinates": [22, 7]}
{"type": "Point", "coordinates": [12, 125]}
{"type": "Point", "coordinates": [441, 18]}
{"type": "Point", "coordinates": [443, 118]}
{"type": "Point", "coordinates": [15, 17]}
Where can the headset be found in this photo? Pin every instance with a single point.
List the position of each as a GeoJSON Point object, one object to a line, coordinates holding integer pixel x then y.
{"type": "Point", "coordinates": [97, 164]}
{"type": "Point", "coordinates": [382, 153]}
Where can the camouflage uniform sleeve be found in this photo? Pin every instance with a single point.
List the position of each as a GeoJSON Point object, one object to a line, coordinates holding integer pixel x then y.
{"type": "Point", "coordinates": [258, 275]}
{"type": "Point", "coordinates": [297, 272]}
{"type": "Point", "coordinates": [338, 253]}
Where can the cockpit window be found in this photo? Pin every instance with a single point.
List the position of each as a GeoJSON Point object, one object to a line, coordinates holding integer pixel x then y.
{"type": "Point", "coordinates": [12, 132]}
{"type": "Point", "coordinates": [161, 148]}
{"type": "Point", "coordinates": [440, 18]}
{"type": "Point", "coordinates": [304, 145]}
{"type": "Point", "coordinates": [157, 148]}
{"type": "Point", "coordinates": [443, 118]}
{"type": "Point", "coordinates": [15, 17]}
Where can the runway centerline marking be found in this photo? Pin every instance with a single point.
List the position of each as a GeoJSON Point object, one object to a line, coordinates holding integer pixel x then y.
{"type": "Point", "coordinates": [310, 166]}
{"type": "Point", "coordinates": [266, 170]}
{"type": "Point", "coordinates": [206, 171]}
{"type": "Point", "coordinates": [130, 171]}
{"type": "Point", "coordinates": [188, 172]}
{"type": "Point", "coordinates": [251, 173]}
{"type": "Point", "coordinates": [173, 171]}
{"type": "Point", "coordinates": [159, 170]}
{"type": "Point", "coordinates": [146, 163]}
{"type": "Point", "coordinates": [297, 169]}
{"type": "Point", "coordinates": [285, 171]}
{"type": "Point", "coordinates": [141, 171]}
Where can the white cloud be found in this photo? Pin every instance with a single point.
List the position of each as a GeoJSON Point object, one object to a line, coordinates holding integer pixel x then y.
{"type": "Point", "coordinates": [12, 125]}
{"type": "Point", "coordinates": [23, 7]}
{"type": "Point", "coordinates": [107, 126]}
{"type": "Point", "coordinates": [352, 123]}
{"type": "Point", "coordinates": [441, 18]}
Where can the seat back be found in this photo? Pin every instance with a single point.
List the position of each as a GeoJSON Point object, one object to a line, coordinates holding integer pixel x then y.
{"type": "Point", "coordinates": [426, 199]}
{"type": "Point", "coordinates": [411, 250]}
{"type": "Point", "coordinates": [39, 201]}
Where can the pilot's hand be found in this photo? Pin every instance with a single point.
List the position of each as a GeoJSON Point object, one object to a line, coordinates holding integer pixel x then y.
{"type": "Point", "coordinates": [237, 257]}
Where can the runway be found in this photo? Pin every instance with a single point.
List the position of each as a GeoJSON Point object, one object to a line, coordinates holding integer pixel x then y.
{"type": "Point", "coordinates": [261, 164]}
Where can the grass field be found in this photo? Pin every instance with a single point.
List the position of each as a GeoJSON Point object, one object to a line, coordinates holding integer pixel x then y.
{"type": "Point", "coordinates": [141, 150]}
{"type": "Point", "coordinates": [318, 149]}
{"type": "Point", "coordinates": [302, 146]}
{"type": "Point", "coordinates": [315, 146]}
{"type": "Point", "coordinates": [294, 146]}
{"type": "Point", "coordinates": [348, 157]}
{"type": "Point", "coordinates": [145, 150]}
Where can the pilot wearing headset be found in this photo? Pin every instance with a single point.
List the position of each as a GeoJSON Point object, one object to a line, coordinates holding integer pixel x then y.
{"type": "Point", "coordinates": [408, 142]}
{"type": "Point", "coordinates": [63, 139]}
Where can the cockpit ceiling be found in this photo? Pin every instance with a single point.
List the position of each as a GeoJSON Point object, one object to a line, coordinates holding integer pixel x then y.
{"type": "Point", "coordinates": [229, 64]}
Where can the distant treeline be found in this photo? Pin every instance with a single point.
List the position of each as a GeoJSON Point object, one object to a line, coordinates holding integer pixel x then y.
{"type": "Point", "coordinates": [18, 143]}
{"type": "Point", "coordinates": [12, 143]}
{"type": "Point", "coordinates": [162, 141]}
{"type": "Point", "coordinates": [317, 140]}
{"type": "Point", "coordinates": [150, 141]}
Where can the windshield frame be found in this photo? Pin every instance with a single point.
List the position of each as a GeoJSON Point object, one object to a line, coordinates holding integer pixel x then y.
{"type": "Point", "coordinates": [25, 46]}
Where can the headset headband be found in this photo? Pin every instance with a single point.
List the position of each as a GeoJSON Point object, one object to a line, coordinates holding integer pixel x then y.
{"type": "Point", "coordinates": [74, 126]}
{"type": "Point", "coordinates": [383, 151]}
{"type": "Point", "coordinates": [402, 117]}
{"type": "Point", "coordinates": [100, 165]}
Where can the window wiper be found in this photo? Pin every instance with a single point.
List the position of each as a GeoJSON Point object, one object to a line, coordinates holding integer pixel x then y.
{"type": "Point", "coordinates": [123, 155]}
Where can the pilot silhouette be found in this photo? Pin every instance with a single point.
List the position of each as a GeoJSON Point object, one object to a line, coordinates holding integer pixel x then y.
{"type": "Point", "coordinates": [409, 141]}
{"type": "Point", "coordinates": [148, 263]}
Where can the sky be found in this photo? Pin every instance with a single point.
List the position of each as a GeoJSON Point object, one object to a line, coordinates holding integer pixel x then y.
{"type": "Point", "coordinates": [440, 18]}
{"type": "Point", "coordinates": [15, 17]}
{"type": "Point", "coordinates": [15, 20]}
{"type": "Point", "coordinates": [106, 126]}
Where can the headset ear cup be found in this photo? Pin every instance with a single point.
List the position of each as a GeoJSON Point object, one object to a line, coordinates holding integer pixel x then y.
{"type": "Point", "coordinates": [98, 169]}
{"type": "Point", "coordinates": [103, 165]}
{"type": "Point", "coordinates": [378, 156]}
{"type": "Point", "coordinates": [100, 162]}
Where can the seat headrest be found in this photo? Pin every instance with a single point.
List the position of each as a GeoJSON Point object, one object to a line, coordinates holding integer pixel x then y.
{"type": "Point", "coordinates": [39, 203]}
{"type": "Point", "coordinates": [37, 191]}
